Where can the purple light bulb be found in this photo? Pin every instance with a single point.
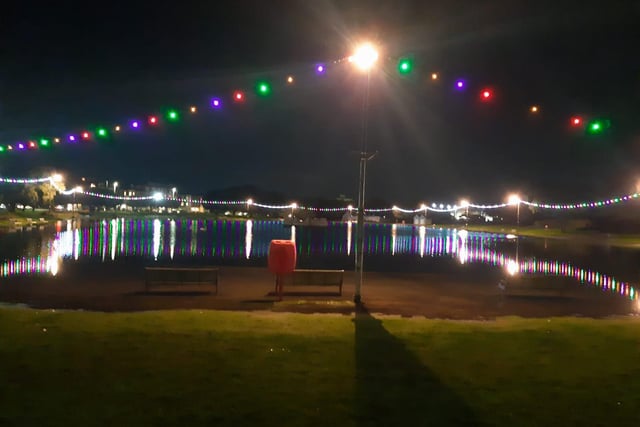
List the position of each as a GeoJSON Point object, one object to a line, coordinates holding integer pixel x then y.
{"type": "Point", "coordinates": [216, 103]}
{"type": "Point", "coordinates": [72, 138]}
{"type": "Point", "coordinates": [135, 124]}
{"type": "Point", "coordinates": [320, 69]}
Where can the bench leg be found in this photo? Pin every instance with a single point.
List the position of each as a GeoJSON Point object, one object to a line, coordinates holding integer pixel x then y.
{"type": "Point", "coordinates": [279, 286]}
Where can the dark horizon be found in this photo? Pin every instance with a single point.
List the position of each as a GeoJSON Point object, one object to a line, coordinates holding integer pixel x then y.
{"type": "Point", "coordinates": [70, 67]}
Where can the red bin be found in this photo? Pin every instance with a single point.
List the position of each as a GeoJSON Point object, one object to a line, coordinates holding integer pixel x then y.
{"type": "Point", "coordinates": [282, 257]}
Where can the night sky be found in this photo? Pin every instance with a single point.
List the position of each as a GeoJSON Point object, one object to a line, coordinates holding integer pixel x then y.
{"type": "Point", "coordinates": [71, 65]}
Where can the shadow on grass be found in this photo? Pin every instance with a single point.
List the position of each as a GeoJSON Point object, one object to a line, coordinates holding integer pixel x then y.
{"type": "Point", "coordinates": [393, 387]}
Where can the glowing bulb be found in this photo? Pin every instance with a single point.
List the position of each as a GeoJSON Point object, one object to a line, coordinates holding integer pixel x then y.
{"type": "Point", "coordinates": [56, 140]}
{"type": "Point", "coordinates": [249, 202]}
{"type": "Point", "coordinates": [365, 56]}
{"type": "Point", "coordinates": [486, 94]}
{"type": "Point", "coordinates": [44, 142]}
{"type": "Point", "coordinates": [172, 115]}
{"type": "Point", "coordinates": [1, 148]}
{"type": "Point", "coordinates": [534, 109]}
{"type": "Point", "coordinates": [117, 128]}
{"type": "Point", "coordinates": [404, 66]}
{"type": "Point", "coordinates": [9, 147]}
{"type": "Point", "coordinates": [263, 88]}
{"type": "Point", "coordinates": [434, 76]}
{"type": "Point", "coordinates": [238, 96]}
{"type": "Point", "coordinates": [513, 199]}
{"type": "Point", "coordinates": [320, 69]}
{"type": "Point", "coordinates": [102, 132]}
{"type": "Point", "coordinates": [290, 79]}
{"type": "Point", "coordinates": [157, 196]}
{"type": "Point", "coordinates": [596, 127]}
{"type": "Point", "coordinates": [56, 177]}
{"type": "Point", "coordinates": [216, 103]}
{"type": "Point", "coordinates": [464, 203]}
{"type": "Point", "coordinates": [153, 120]}
{"type": "Point", "coordinates": [72, 138]}
{"type": "Point", "coordinates": [32, 144]}
{"type": "Point", "coordinates": [193, 109]}
{"type": "Point", "coordinates": [460, 84]}
{"type": "Point", "coordinates": [85, 135]}
{"type": "Point", "coordinates": [135, 124]}
{"type": "Point", "coordinates": [576, 121]}
{"type": "Point", "coordinates": [294, 205]}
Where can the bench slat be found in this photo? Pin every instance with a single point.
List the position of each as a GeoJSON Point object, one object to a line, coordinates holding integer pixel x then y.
{"type": "Point", "coordinates": [181, 276]}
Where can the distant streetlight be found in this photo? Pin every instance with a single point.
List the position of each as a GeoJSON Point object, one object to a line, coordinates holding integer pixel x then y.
{"type": "Point", "coordinates": [115, 186]}
{"type": "Point", "coordinates": [514, 199]}
{"type": "Point", "coordinates": [364, 59]}
{"type": "Point", "coordinates": [173, 192]}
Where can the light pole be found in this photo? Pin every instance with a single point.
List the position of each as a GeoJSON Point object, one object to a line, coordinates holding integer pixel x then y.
{"type": "Point", "coordinates": [514, 199]}
{"type": "Point", "coordinates": [364, 59]}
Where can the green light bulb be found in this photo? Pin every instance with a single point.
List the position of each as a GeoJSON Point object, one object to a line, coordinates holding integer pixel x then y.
{"type": "Point", "coordinates": [102, 132]}
{"type": "Point", "coordinates": [44, 142]}
{"type": "Point", "coordinates": [172, 115]}
{"type": "Point", "coordinates": [263, 88]}
{"type": "Point", "coordinates": [405, 66]}
{"type": "Point", "coordinates": [595, 127]}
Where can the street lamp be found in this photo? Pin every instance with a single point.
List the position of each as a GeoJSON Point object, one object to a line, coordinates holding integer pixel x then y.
{"type": "Point", "coordinates": [514, 199]}
{"type": "Point", "coordinates": [364, 59]}
{"type": "Point", "coordinates": [115, 186]}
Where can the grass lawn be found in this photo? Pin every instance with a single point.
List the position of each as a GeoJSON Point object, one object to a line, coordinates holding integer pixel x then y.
{"type": "Point", "coordinates": [210, 368]}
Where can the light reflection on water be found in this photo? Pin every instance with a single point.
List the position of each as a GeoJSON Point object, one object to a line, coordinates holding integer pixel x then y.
{"type": "Point", "coordinates": [167, 239]}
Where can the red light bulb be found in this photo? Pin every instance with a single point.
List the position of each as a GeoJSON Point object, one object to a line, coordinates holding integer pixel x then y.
{"type": "Point", "coordinates": [238, 96]}
{"type": "Point", "coordinates": [153, 120]}
{"type": "Point", "coordinates": [486, 94]}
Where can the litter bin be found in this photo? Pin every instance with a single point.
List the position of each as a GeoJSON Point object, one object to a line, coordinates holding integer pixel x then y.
{"type": "Point", "coordinates": [282, 260]}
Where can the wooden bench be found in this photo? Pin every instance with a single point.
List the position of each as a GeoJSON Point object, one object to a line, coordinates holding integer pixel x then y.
{"type": "Point", "coordinates": [314, 278]}
{"type": "Point", "coordinates": [180, 278]}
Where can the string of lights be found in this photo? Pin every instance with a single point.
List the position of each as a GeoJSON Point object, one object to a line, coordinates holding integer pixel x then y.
{"type": "Point", "coordinates": [263, 88]}
{"type": "Point", "coordinates": [440, 208]}
{"type": "Point", "coordinates": [24, 180]}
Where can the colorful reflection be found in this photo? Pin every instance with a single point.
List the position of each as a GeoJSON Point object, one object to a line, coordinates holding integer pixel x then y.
{"type": "Point", "coordinates": [166, 239]}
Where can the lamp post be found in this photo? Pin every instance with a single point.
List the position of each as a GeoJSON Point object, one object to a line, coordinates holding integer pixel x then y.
{"type": "Point", "coordinates": [364, 59]}
{"type": "Point", "coordinates": [514, 199]}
